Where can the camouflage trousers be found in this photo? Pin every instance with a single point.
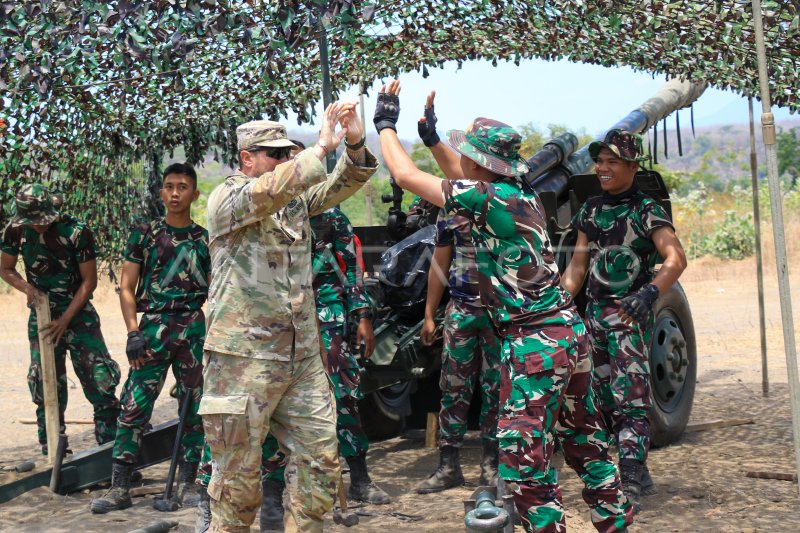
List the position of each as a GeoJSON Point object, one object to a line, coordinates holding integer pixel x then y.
{"type": "Point", "coordinates": [345, 375]}
{"type": "Point", "coordinates": [621, 377]}
{"type": "Point", "coordinates": [173, 340]}
{"type": "Point", "coordinates": [471, 352]}
{"type": "Point", "coordinates": [546, 392]}
{"type": "Point", "coordinates": [97, 372]}
{"type": "Point", "coordinates": [243, 400]}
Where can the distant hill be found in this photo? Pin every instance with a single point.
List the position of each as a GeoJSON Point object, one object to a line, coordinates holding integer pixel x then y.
{"type": "Point", "coordinates": [719, 151]}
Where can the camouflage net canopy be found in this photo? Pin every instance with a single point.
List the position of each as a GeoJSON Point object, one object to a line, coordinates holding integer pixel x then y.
{"type": "Point", "coordinates": [94, 93]}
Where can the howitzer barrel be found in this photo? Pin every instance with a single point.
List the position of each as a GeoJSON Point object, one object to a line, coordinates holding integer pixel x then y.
{"type": "Point", "coordinates": [555, 152]}
{"type": "Point", "coordinates": [674, 95]}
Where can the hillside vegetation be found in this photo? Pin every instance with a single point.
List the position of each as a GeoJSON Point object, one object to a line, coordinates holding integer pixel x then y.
{"type": "Point", "coordinates": [710, 184]}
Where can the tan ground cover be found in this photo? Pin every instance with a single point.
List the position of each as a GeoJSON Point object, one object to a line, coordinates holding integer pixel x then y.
{"type": "Point", "coordinates": [701, 481]}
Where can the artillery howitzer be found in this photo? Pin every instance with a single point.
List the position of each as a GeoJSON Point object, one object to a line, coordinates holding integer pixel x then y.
{"type": "Point", "coordinates": [400, 382]}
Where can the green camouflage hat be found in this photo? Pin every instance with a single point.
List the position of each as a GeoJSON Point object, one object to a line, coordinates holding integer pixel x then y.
{"type": "Point", "coordinates": [627, 146]}
{"type": "Point", "coordinates": [492, 144]}
{"type": "Point", "coordinates": [36, 205]}
{"type": "Point", "coordinates": [262, 133]}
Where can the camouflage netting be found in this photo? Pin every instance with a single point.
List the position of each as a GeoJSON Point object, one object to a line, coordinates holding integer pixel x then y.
{"type": "Point", "coordinates": [93, 93]}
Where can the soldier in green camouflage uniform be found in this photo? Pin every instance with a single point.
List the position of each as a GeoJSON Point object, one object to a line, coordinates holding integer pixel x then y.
{"type": "Point", "coordinates": [545, 387]}
{"type": "Point", "coordinates": [165, 277]}
{"type": "Point", "coordinates": [264, 369]}
{"type": "Point", "coordinates": [471, 349]}
{"type": "Point", "coordinates": [59, 254]}
{"type": "Point", "coordinates": [338, 290]}
{"type": "Point", "coordinates": [619, 236]}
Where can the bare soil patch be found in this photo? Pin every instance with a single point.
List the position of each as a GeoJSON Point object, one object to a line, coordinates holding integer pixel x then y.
{"type": "Point", "coordinates": [700, 480]}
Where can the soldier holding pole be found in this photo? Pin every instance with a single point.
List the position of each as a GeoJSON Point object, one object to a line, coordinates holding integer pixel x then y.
{"type": "Point", "coordinates": [59, 254]}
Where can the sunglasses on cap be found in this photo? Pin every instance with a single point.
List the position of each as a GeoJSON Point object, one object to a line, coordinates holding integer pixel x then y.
{"type": "Point", "coordinates": [275, 153]}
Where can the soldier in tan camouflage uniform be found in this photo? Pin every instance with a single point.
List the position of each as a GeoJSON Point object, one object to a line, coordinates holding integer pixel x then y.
{"type": "Point", "coordinates": [264, 371]}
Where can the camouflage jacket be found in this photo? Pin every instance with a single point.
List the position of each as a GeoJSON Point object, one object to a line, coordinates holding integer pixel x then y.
{"type": "Point", "coordinates": [621, 252]}
{"type": "Point", "coordinates": [517, 273]}
{"type": "Point", "coordinates": [456, 230]}
{"type": "Point", "coordinates": [261, 300]}
{"type": "Point", "coordinates": [52, 258]}
{"type": "Point", "coordinates": [175, 266]}
{"type": "Point", "coordinates": [337, 274]}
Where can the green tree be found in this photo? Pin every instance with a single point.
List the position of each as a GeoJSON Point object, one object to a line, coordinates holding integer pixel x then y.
{"type": "Point", "coordinates": [424, 160]}
{"type": "Point", "coordinates": [676, 181]}
{"type": "Point", "coordinates": [788, 147]}
{"type": "Point", "coordinates": [533, 138]}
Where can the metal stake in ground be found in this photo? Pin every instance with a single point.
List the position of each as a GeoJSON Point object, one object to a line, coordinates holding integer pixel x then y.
{"type": "Point", "coordinates": [768, 133]}
{"type": "Point", "coordinates": [55, 477]}
{"type": "Point", "coordinates": [167, 504]}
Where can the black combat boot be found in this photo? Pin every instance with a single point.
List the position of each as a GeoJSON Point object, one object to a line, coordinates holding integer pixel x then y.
{"type": "Point", "coordinates": [118, 496]}
{"type": "Point", "coordinates": [187, 494]}
{"type": "Point", "coordinates": [489, 462]}
{"type": "Point", "coordinates": [362, 488]}
{"type": "Point", "coordinates": [648, 487]}
{"type": "Point", "coordinates": [203, 522]}
{"type": "Point", "coordinates": [630, 473]}
{"type": "Point", "coordinates": [447, 475]}
{"type": "Point", "coordinates": [272, 505]}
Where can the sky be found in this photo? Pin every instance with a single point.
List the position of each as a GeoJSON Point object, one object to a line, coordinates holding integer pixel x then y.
{"type": "Point", "coordinates": [579, 96]}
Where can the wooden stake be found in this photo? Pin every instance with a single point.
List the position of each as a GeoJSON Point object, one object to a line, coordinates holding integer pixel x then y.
{"type": "Point", "coordinates": [714, 424]}
{"type": "Point", "coordinates": [49, 385]}
{"type": "Point", "coordinates": [780, 476]}
{"type": "Point", "coordinates": [147, 490]}
{"type": "Point", "coordinates": [31, 421]}
{"type": "Point", "coordinates": [431, 430]}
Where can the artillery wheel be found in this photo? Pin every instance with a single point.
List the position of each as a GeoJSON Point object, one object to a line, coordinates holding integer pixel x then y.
{"type": "Point", "coordinates": [382, 415]}
{"type": "Point", "coordinates": [673, 367]}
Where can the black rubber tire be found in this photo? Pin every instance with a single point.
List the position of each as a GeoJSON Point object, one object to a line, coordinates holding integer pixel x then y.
{"type": "Point", "coordinates": [381, 411]}
{"type": "Point", "coordinates": [673, 367]}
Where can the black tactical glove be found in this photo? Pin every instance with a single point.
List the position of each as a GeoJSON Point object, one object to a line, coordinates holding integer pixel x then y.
{"type": "Point", "coordinates": [387, 111]}
{"type": "Point", "coordinates": [135, 348]}
{"type": "Point", "coordinates": [639, 304]}
{"type": "Point", "coordinates": [427, 129]}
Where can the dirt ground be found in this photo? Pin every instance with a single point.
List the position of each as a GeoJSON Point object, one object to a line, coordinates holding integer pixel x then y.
{"type": "Point", "coordinates": [701, 483]}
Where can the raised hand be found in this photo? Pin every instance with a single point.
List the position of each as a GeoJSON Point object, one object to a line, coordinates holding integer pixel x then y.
{"type": "Point", "coordinates": [329, 138]}
{"type": "Point", "coordinates": [387, 110]}
{"type": "Point", "coordinates": [351, 122]}
{"type": "Point", "coordinates": [426, 126]}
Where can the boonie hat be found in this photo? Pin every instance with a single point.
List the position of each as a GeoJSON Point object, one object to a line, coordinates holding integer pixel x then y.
{"type": "Point", "coordinates": [625, 145]}
{"type": "Point", "coordinates": [492, 144]}
{"type": "Point", "coordinates": [262, 133]}
{"type": "Point", "coordinates": [36, 205]}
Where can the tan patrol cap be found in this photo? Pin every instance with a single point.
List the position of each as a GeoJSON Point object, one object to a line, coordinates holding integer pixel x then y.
{"type": "Point", "coordinates": [262, 133]}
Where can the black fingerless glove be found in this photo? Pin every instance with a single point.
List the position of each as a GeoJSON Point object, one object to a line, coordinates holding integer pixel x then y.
{"type": "Point", "coordinates": [135, 349]}
{"type": "Point", "coordinates": [427, 129]}
{"type": "Point", "coordinates": [387, 111]}
{"type": "Point", "coordinates": [639, 304]}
